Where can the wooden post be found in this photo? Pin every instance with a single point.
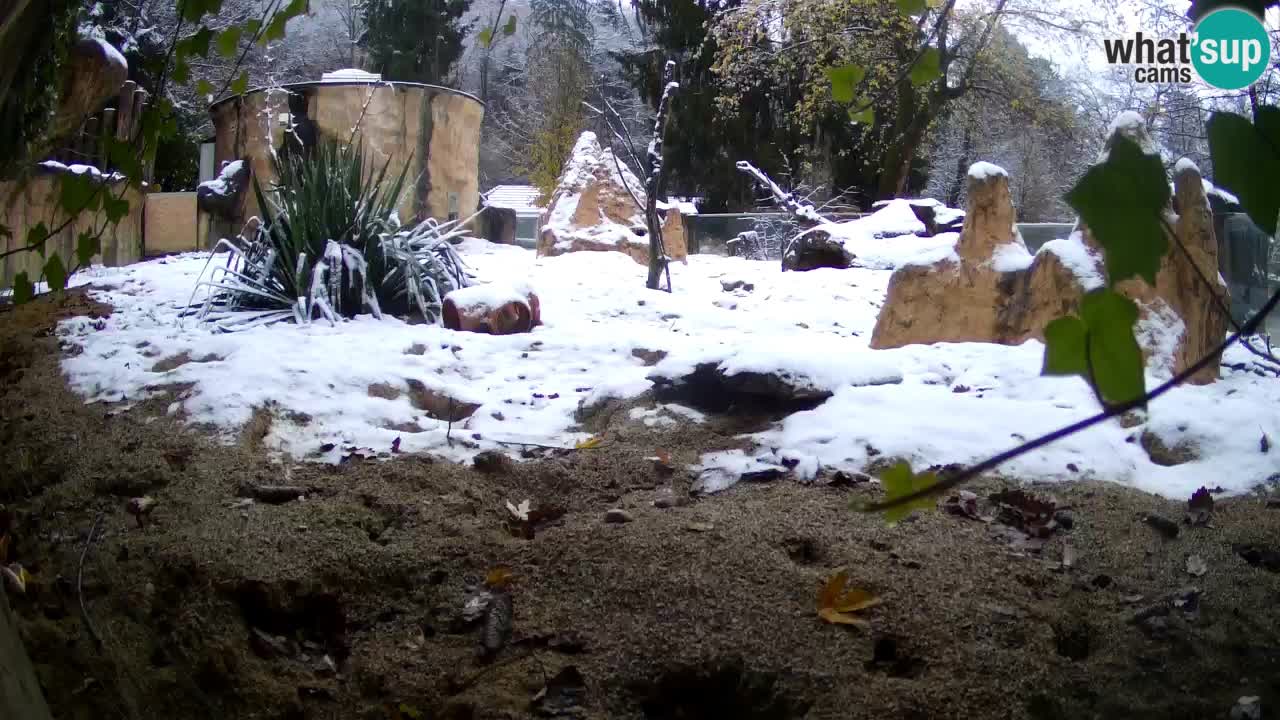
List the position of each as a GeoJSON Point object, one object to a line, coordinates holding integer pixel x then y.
{"type": "Point", "coordinates": [101, 131]}
{"type": "Point", "coordinates": [20, 696]}
{"type": "Point", "coordinates": [124, 113]}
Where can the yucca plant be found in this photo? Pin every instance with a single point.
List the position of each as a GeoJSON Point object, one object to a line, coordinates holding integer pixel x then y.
{"type": "Point", "coordinates": [331, 245]}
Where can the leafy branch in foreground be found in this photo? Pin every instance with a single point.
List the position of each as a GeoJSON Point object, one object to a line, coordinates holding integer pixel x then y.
{"type": "Point", "coordinates": [1123, 201]}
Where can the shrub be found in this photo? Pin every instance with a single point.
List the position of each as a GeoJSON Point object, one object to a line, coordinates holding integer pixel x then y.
{"type": "Point", "coordinates": [331, 245]}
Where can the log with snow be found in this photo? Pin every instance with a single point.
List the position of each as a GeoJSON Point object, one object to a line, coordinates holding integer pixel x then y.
{"type": "Point", "coordinates": [493, 308]}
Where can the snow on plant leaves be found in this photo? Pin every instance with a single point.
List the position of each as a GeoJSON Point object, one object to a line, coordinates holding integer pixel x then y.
{"type": "Point", "coordinates": [835, 602]}
{"type": "Point", "coordinates": [1246, 161]}
{"type": "Point", "coordinates": [1122, 200]}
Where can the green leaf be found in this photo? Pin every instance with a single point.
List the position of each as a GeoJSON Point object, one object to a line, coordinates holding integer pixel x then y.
{"type": "Point", "coordinates": [181, 72]}
{"type": "Point", "coordinates": [37, 236]}
{"type": "Point", "coordinates": [866, 116]}
{"type": "Point", "coordinates": [241, 84]}
{"type": "Point", "coordinates": [486, 37]}
{"type": "Point", "coordinates": [899, 481]}
{"type": "Point", "coordinates": [87, 245]}
{"type": "Point", "coordinates": [911, 7]}
{"type": "Point", "coordinates": [510, 28]}
{"type": "Point", "coordinates": [295, 8]}
{"type": "Point", "coordinates": [275, 28]}
{"type": "Point", "coordinates": [1064, 347]}
{"type": "Point", "coordinates": [1246, 161]}
{"type": "Point", "coordinates": [1122, 200]}
{"type": "Point", "coordinates": [1114, 354]}
{"type": "Point", "coordinates": [204, 88]}
{"type": "Point", "coordinates": [928, 68]}
{"type": "Point", "coordinates": [844, 80]}
{"type": "Point", "coordinates": [195, 44]}
{"type": "Point", "coordinates": [77, 192]}
{"type": "Point", "coordinates": [229, 41]}
{"type": "Point", "coordinates": [124, 158]}
{"type": "Point", "coordinates": [55, 273]}
{"type": "Point", "coordinates": [115, 208]}
{"type": "Point", "coordinates": [23, 288]}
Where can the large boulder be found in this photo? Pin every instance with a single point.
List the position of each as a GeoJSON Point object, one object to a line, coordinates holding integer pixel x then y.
{"type": "Point", "coordinates": [989, 289]}
{"type": "Point", "coordinates": [598, 205]}
{"type": "Point", "coordinates": [992, 290]}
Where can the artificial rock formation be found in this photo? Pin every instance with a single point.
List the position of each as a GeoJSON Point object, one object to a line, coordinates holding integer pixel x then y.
{"type": "Point", "coordinates": [991, 290]}
{"type": "Point", "coordinates": [598, 205]}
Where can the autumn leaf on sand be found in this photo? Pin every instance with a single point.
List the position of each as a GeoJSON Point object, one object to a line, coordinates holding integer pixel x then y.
{"type": "Point", "coordinates": [498, 577]}
{"type": "Point", "coordinates": [835, 602]}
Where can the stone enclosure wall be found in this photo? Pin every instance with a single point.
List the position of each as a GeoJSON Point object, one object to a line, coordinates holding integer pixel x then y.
{"type": "Point", "coordinates": [24, 206]}
{"type": "Point", "coordinates": [993, 290]}
{"type": "Point", "coordinates": [434, 130]}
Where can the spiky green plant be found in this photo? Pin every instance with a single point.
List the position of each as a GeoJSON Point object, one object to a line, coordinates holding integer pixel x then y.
{"type": "Point", "coordinates": [331, 245]}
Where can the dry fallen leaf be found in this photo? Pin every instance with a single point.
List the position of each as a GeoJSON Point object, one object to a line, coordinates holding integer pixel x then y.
{"type": "Point", "coordinates": [1196, 565]}
{"type": "Point", "coordinates": [700, 527]}
{"type": "Point", "coordinates": [589, 444]}
{"type": "Point", "coordinates": [16, 577]}
{"type": "Point", "coordinates": [498, 577]}
{"type": "Point", "coordinates": [835, 602]}
{"type": "Point", "coordinates": [1200, 507]}
{"type": "Point", "coordinates": [521, 511]}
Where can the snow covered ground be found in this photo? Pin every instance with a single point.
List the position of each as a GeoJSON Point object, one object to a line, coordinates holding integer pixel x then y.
{"type": "Point", "coordinates": [932, 404]}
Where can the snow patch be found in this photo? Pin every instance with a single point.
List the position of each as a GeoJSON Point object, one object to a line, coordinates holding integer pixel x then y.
{"type": "Point", "coordinates": [1081, 260]}
{"type": "Point", "coordinates": [1011, 257]}
{"type": "Point", "coordinates": [983, 170]}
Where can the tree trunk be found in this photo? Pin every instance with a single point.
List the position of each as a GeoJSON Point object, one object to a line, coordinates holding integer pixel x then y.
{"type": "Point", "coordinates": [20, 696]}
{"type": "Point", "coordinates": [962, 169]}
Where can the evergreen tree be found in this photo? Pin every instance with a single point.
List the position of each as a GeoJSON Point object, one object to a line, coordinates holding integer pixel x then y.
{"type": "Point", "coordinates": [414, 40]}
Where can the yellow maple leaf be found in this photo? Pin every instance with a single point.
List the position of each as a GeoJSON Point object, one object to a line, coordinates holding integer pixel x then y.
{"type": "Point", "coordinates": [589, 444]}
{"type": "Point", "coordinates": [835, 602]}
{"type": "Point", "coordinates": [498, 577]}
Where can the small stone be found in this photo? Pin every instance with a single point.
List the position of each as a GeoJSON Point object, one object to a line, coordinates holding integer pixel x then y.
{"type": "Point", "coordinates": [617, 516]}
{"type": "Point", "coordinates": [1248, 707]}
{"type": "Point", "coordinates": [1164, 525]}
{"type": "Point", "coordinates": [700, 527]}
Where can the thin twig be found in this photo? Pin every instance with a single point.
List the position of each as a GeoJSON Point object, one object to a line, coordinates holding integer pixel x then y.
{"type": "Point", "coordinates": [84, 612]}
{"type": "Point", "coordinates": [991, 463]}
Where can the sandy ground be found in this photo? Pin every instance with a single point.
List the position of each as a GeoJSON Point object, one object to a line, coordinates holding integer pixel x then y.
{"type": "Point", "coordinates": [349, 604]}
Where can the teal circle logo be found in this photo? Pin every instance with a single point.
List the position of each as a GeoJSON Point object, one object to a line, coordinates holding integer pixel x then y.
{"type": "Point", "coordinates": [1231, 49]}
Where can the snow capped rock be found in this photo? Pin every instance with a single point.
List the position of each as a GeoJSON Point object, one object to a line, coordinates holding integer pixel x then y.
{"type": "Point", "coordinates": [982, 170]}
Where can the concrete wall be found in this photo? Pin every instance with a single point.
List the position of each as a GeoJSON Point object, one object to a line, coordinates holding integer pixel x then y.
{"type": "Point", "coordinates": [436, 131]}
{"type": "Point", "coordinates": [170, 224]}
{"type": "Point", "coordinates": [23, 207]}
